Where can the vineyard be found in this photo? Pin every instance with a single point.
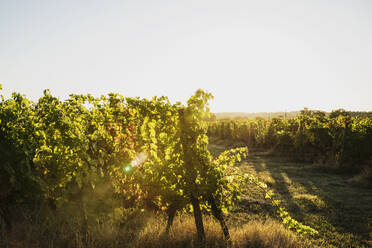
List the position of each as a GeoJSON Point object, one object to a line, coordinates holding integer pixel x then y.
{"type": "Point", "coordinates": [106, 162]}
{"type": "Point", "coordinates": [338, 140]}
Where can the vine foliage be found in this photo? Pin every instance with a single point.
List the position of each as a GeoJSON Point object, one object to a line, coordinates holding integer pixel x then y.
{"type": "Point", "coordinates": [99, 153]}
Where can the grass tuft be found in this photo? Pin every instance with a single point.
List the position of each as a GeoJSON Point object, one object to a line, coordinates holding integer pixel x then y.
{"type": "Point", "coordinates": [269, 234]}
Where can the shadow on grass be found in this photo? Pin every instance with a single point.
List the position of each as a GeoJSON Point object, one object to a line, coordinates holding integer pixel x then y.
{"type": "Point", "coordinates": [339, 210]}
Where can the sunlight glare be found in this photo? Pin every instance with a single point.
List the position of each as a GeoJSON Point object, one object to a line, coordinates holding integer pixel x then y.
{"type": "Point", "coordinates": [139, 159]}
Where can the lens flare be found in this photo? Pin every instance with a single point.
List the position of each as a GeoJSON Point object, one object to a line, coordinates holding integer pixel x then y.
{"type": "Point", "coordinates": [128, 168]}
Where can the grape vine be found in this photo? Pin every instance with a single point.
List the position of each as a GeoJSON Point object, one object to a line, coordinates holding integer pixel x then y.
{"type": "Point", "coordinates": [127, 152]}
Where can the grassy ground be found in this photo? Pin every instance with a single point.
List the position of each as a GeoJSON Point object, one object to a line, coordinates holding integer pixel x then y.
{"type": "Point", "coordinates": [332, 203]}
{"type": "Point", "coordinates": [146, 230]}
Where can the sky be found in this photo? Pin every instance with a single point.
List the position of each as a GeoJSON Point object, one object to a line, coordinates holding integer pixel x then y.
{"type": "Point", "coordinates": [253, 56]}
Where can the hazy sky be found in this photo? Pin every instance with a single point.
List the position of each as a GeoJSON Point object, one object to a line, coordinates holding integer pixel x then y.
{"type": "Point", "coordinates": [251, 55]}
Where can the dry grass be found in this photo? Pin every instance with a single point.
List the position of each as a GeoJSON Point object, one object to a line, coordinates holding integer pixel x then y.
{"type": "Point", "coordinates": [182, 234]}
{"type": "Point", "coordinates": [145, 231]}
{"type": "Point", "coordinates": [269, 234]}
{"type": "Point", "coordinates": [266, 234]}
{"type": "Point", "coordinates": [63, 229]}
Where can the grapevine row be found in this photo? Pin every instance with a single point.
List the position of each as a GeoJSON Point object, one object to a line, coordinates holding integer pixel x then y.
{"type": "Point", "coordinates": [110, 151]}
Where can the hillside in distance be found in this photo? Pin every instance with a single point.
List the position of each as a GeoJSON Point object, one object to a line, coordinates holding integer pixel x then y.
{"type": "Point", "coordinates": [265, 115]}
{"type": "Point", "coordinates": [283, 115]}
